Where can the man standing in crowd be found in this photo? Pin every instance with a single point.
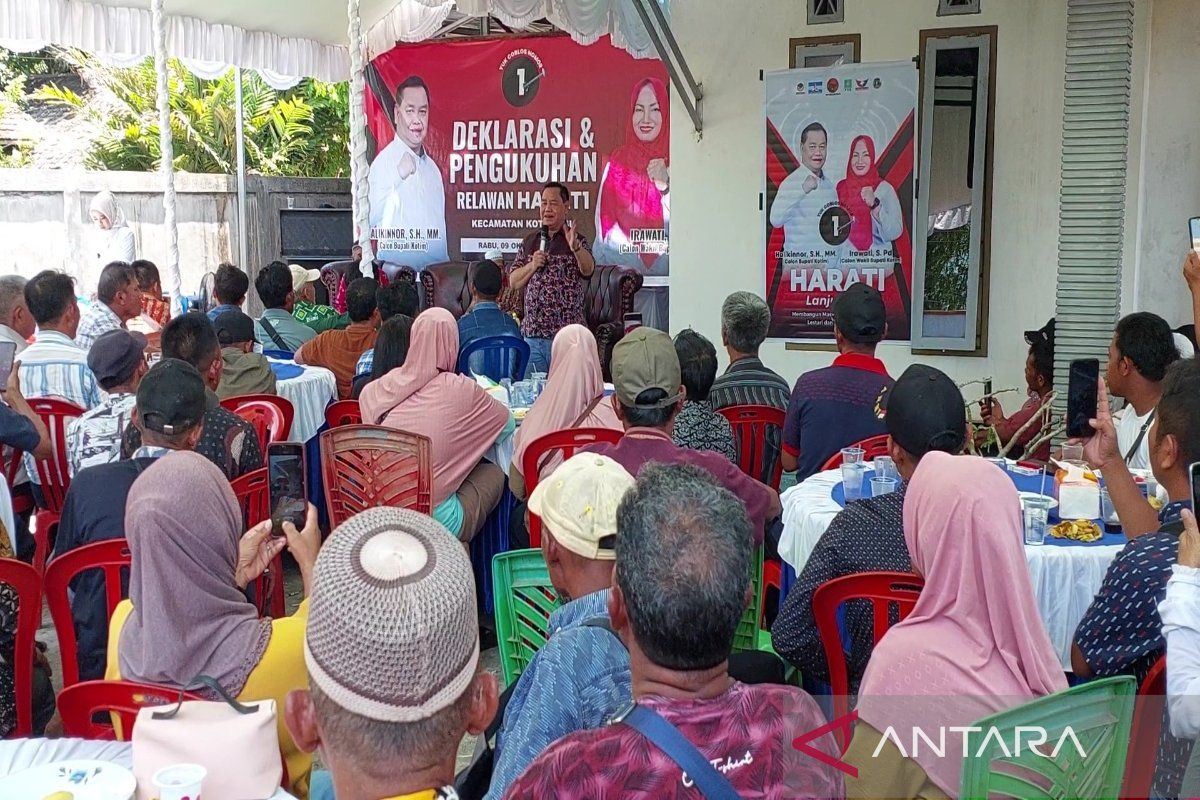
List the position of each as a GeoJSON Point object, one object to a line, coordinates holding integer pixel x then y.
{"type": "Point", "coordinates": [277, 329]}
{"type": "Point", "coordinates": [580, 677]}
{"type": "Point", "coordinates": [484, 318]}
{"type": "Point", "coordinates": [683, 561]}
{"type": "Point", "coordinates": [118, 300]}
{"type": "Point", "coordinates": [54, 366]}
{"type": "Point", "coordinates": [398, 297]}
{"type": "Point", "coordinates": [243, 371]}
{"type": "Point", "coordinates": [649, 394]}
{"type": "Point", "coordinates": [339, 351]}
{"type": "Point", "coordinates": [552, 266]}
{"type": "Point", "coordinates": [230, 285]}
{"type": "Point", "coordinates": [392, 649]}
{"type": "Point", "coordinates": [168, 416]}
{"type": "Point", "coordinates": [805, 194]}
{"type": "Point", "coordinates": [305, 309]}
{"type": "Point", "coordinates": [1138, 356]}
{"type": "Point", "coordinates": [16, 323]}
{"type": "Point", "coordinates": [407, 193]}
{"type": "Point", "coordinates": [227, 440]}
{"type": "Point", "coordinates": [118, 360]}
{"type": "Point", "coordinates": [924, 412]}
{"type": "Point", "coordinates": [834, 407]}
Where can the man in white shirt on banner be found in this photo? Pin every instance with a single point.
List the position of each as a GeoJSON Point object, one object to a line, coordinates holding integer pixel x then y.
{"type": "Point", "coordinates": [1138, 356]}
{"type": "Point", "coordinates": [804, 195]}
{"type": "Point", "coordinates": [407, 196]}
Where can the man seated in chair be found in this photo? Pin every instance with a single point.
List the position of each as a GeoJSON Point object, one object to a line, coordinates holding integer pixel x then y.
{"type": "Point", "coordinates": [484, 318]}
{"type": "Point", "coordinates": [243, 371]}
{"type": "Point", "coordinates": [339, 350]}
{"type": "Point", "coordinates": [398, 297]}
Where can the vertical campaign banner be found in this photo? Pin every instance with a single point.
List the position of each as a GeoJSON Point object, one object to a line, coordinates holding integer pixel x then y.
{"type": "Point", "coordinates": [465, 133]}
{"type": "Point", "coordinates": [839, 184]}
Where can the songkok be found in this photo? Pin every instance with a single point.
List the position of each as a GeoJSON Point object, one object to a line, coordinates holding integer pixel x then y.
{"type": "Point", "coordinates": [392, 627]}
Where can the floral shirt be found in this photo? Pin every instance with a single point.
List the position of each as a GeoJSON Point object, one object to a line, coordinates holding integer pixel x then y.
{"type": "Point", "coordinates": [554, 295]}
{"type": "Point", "coordinates": [95, 438]}
{"type": "Point", "coordinates": [700, 428]}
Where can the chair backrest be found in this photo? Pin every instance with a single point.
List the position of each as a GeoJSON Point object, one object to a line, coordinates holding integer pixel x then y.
{"type": "Point", "coordinates": [1147, 727]}
{"type": "Point", "coordinates": [752, 427]}
{"type": "Point", "coordinates": [254, 497]}
{"type": "Point", "coordinates": [884, 591]}
{"type": "Point", "coordinates": [364, 466]}
{"type": "Point", "coordinates": [53, 473]}
{"type": "Point", "coordinates": [745, 638]}
{"type": "Point", "coordinates": [872, 447]}
{"type": "Point", "coordinates": [1098, 715]}
{"type": "Point", "coordinates": [112, 557]}
{"type": "Point", "coordinates": [27, 583]}
{"type": "Point", "coordinates": [87, 708]}
{"type": "Point", "coordinates": [525, 598]}
{"type": "Point", "coordinates": [503, 357]}
{"type": "Point", "coordinates": [565, 443]}
{"type": "Point", "coordinates": [343, 412]}
{"type": "Point", "coordinates": [270, 415]}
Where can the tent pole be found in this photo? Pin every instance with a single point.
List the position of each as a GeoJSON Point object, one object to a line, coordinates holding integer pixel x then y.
{"type": "Point", "coordinates": [166, 152]}
{"type": "Point", "coordinates": [358, 142]}
{"type": "Point", "coordinates": [243, 261]}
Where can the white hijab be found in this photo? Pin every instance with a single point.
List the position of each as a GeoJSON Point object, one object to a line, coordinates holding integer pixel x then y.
{"type": "Point", "coordinates": [104, 203]}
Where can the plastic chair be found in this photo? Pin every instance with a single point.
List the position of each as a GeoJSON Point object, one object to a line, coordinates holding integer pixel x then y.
{"type": "Point", "coordinates": [53, 474]}
{"type": "Point", "coordinates": [751, 424]}
{"type": "Point", "coordinates": [23, 504]}
{"type": "Point", "coordinates": [270, 415]}
{"type": "Point", "coordinates": [27, 583]}
{"type": "Point", "coordinates": [112, 557]}
{"type": "Point", "coordinates": [1147, 728]}
{"type": "Point", "coordinates": [749, 634]}
{"type": "Point", "coordinates": [872, 447]}
{"type": "Point", "coordinates": [79, 705]}
{"type": "Point", "coordinates": [1098, 714]}
{"type": "Point", "coordinates": [524, 599]}
{"type": "Point", "coordinates": [565, 442]}
{"type": "Point", "coordinates": [343, 412]}
{"type": "Point", "coordinates": [882, 589]}
{"type": "Point", "coordinates": [504, 356]}
{"type": "Point", "coordinates": [253, 494]}
{"type": "Point", "coordinates": [369, 465]}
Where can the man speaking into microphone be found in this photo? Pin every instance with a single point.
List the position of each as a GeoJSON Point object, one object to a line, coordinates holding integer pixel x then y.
{"type": "Point", "coordinates": [551, 266]}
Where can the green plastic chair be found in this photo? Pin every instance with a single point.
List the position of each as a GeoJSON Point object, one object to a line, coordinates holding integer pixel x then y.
{"type": "Point", "coordinates": [1099, 714]}
{"type": "Point", "coordinates": [524, 599]}
{"type": "Point", "coordinates": [748, 636]}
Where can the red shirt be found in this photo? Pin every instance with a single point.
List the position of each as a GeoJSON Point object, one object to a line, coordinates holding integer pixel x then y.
{"type": "Point", "coordinates": [1010, 426]}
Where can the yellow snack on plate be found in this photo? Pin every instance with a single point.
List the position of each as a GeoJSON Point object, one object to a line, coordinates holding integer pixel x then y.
{"type": "Point", "coordinates": [59, 796]}
{"type": "Point", "coordinates": [1079, 530]}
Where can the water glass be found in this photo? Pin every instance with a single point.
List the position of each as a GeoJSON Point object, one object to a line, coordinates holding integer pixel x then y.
{"type": "Point", "coordinates": [1000, 462]}
{"type": "Point", "coordinates": [852, 481]}
{"type": "Point", "coordinates": [522, 394]}
{"type": "Point", "coordinates": [885, 467]}
{"type": "Point", "coordinates": [882, 486]}
{"type": "Point", "coordinates": [507, 384]}
{"type": "Point", "coordinates": [1072, 454]}
{"type": "Point", "coordinates": [179, 782]}
{"type": "Point", "coordinates": [1108, 512]}
{"type": "Point", "coordinates": [852, 455]}
{"type": "Point", "coordinates": [1037, 509]}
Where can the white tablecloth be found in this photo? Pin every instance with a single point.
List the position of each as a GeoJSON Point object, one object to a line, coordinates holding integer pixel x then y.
{"type": "Point", "coordinates": [1065, 579]}
{"type": "Point", "coordinates": [309, 394]}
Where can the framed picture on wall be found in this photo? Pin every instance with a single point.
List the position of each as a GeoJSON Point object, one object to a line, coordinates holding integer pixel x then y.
{"type": "Point", "coordinates": [824, 51]}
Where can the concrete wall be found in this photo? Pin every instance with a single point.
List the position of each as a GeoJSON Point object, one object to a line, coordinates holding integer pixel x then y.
{"type": "Point", "coordinates": [44, 219]}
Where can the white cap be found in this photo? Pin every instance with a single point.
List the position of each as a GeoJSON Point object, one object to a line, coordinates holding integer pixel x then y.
{"type": "Point", "coordinates": [494, 255]}
{"type": "Point", "coordinates": [301, 276]}
{"type": "Point", "coordinates": [578, 503]}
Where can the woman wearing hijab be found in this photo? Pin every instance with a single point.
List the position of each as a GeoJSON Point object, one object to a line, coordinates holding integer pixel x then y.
{"type": "Point", "coordinates": [115, 240]}
{"type": "Point", "coordinates": [573, 398]}
{"type": "Point", "coordinates": [187, 613]}
{"type": "Point", "coordinates": [634, 196]}
{"type": "Point", "coordinates": [974, 644]}
{"type": "Point", "coordinates": [426, 396]}
{"type": "Point", "coordinates": [875, 216]}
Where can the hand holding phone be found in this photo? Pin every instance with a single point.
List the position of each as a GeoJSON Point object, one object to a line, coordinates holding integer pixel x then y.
{"type": "Point", "coordinates": [1082, 397]}
{"type": "Point", "coordinates": [8, 354]}
{"type": "Point", "coordinates": [286, 487]}
{"type": "Point", "coordinates": [1194, 230]}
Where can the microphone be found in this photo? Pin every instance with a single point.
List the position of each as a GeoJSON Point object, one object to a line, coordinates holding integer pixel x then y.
{"type": "Point", "coordinates": [544, 238]}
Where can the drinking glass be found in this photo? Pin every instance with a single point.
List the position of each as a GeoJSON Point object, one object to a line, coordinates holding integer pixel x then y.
{"type": "Point", "coordinates": [1108, 512]}
{"type": "Point", "coordinates": [852, 455]}
{"type": "Point", "coordinates": [1072, 454]}
{"type": "Point", "coordinates": [1037, 509]}
{"type": "Point", "coordinates": [522, 394]}
{"type": "Point", "coordinates": [852, 481]}
{"type": "Point", "coordinates": [179, 781]}
{"type": "Point", "coordinates": [882, 486]}
{"type": "Point", "coordinates": [885, 467]}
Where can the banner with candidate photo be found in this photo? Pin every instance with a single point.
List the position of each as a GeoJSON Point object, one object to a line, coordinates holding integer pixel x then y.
{"type": "Point", "coordinates": [463, 134]}
{"type": "Point", "coordinates": [838, 192]}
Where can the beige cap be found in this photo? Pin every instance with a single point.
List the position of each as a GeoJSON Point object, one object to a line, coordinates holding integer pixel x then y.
{"type": "Point", "coordinates": [578, 504]}
{"type": "Point", "coordinates": [301, 276]}
{"type": "Point", "coordinates": [643, 359]}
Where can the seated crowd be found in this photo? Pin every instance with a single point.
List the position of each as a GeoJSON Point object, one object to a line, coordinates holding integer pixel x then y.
{"type": "Point", "coordinates": [652, 542]}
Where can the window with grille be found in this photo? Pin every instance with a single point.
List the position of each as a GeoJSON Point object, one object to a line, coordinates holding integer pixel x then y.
{"type": "Point", "coordinates": [949, 7]}
{"type": "Point", "coordinates": [822, 11]}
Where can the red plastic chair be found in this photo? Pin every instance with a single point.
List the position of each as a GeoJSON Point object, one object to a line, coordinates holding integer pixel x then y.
{"type": "Point", "coordinates": [565, 442]}
{"type": "Point", "coordinates": [1144, 736]}
{"type": "Point", "coordinates": [270, 415]}
{"type": "Point", "coordinates": [875, 446]}
{"type": "Point", "coordinates": [81, 704]}
{"type": "Point", "coordinates": [27, 583]}
{"type": "Point", "coordinates": [253, 494]}
{"type": "Point", "coordinates": [53, 474]}
{"type": "Point", "coordinates": [364, 466]}
{"type": "Point", "coordinates": [111, 556]}
{"type": "Point", "coordinates": [343, 412]}
{"type": "Point", "coordinates": [882, 589]}
{"type": "Point", "coordinates": [750, 426]}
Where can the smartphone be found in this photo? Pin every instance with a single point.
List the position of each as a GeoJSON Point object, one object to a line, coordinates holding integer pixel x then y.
{"type": "Point", "coordinates": [1082, 397]}
{"type": "Point", "coordinates": [633, 320]}
{"type": "Point", "coordinates": [1194, 474]}
{"type": "Point", "coordinates": [286, 490]}
{"type": "Point", "coordinates": [8, 353]}
{"type": "Point", "coordinates": [986, 405]}
{"type": "Point", "coordinates": [1194, 230]}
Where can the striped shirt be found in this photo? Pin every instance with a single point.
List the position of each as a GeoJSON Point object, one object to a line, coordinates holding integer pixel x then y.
{"type": "Point", "coordinates": [97, 319]}
{"type": "Point", "coordinates": [749, 382]}
{"type": "Point", "coordinates": [54, 366]}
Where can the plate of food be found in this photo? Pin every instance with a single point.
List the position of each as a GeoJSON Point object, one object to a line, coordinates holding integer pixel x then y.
{"type": "Point", "coordinates": [71, 780]}
{"type": "Point", "coordinates": [1078, 530]}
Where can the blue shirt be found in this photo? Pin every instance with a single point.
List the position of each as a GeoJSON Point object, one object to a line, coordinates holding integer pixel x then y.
{"type": "Point", "coordinates": [484, 319]}
{"type": "Point", "coordinates": [221, 309]}
{"type": "Point", "coordinates": [366, 363]}
{"type": "Point", "coordinates": [578, 680]}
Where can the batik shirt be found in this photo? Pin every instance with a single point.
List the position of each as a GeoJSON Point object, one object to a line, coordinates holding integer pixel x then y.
{"type": "Point", "coordinates": [554, 295]}
{"type": "Point", "coordinates": [95, 438]}
{"type": "Point", "coordinates": [698, 427]}
{"type": "Point", "coordinates": [319, 318]}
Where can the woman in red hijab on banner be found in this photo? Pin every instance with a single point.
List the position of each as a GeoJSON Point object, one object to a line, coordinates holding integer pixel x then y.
{"type": "Point", "coordinates": [634, 206]}
{"type": "Point", "coordinates": [875, 216]}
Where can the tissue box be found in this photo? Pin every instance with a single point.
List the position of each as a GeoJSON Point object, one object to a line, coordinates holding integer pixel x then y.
{"type": "Point", "coordinates": [1078, 498]}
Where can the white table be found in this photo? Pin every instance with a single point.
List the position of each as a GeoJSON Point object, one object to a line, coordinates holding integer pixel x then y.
{"type": "Point", "coordinates": [1065, 579]}
{"type": "Point", "coordinates": [308, 393]}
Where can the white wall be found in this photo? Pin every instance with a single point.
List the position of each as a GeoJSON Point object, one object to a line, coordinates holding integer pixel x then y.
{"type": "Point", "coordinates": [716, 225]}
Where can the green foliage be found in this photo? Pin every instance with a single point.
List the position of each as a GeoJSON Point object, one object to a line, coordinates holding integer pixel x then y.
{"type": "Point", "coordinates": [947, 262]}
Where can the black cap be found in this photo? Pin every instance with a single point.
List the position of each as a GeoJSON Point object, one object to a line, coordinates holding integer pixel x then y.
{"type": "Point", "coordinates": [115, 355]}
{"type": "Point", "coordinates": [171, 397]}
{"type": "Point", "coordinates": [925, 411]}
{"type": "Point", "coordinates": [859, 314]}
{"type": "Point", "coordinates": [1042, 334]}
{"type": "Point", "coordinates": [233, 327]}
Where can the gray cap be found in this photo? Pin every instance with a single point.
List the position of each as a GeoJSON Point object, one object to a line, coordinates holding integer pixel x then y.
{"type": "Point", "coordinates": [645, 358]}
{"type": "Point", "coordinates": [116, 354]}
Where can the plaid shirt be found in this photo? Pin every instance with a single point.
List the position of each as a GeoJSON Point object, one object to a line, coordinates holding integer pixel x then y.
{"type": "Point", "coordinates": [554, 295]}
{"type": "Point", "coordinates": [95, 438]}
{"type": "Point", "coordinates": [366, 363]}
{"type": "Point", "coordinates": [97, 319]}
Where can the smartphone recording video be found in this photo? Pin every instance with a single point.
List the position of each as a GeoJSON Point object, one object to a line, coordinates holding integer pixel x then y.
{"type": "Point", "coordinates": [288, 498]}
{"type": "Point", "coordinates": [1082, 397]}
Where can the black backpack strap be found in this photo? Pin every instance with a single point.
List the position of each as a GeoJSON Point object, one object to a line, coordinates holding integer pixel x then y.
{"type": "Point", "coordinates": [274, 334]}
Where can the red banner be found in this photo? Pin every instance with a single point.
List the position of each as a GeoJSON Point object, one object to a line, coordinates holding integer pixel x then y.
{"type": "Point", "coordinates": [465, 133]}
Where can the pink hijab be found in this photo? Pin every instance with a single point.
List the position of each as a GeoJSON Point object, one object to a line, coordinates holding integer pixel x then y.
{"type": "Point", "coordinates": [975, 643]}
{"type": "Point", "coordinates": [574, 382]}
{"type": "Point", "coordinates": [425, 396]}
